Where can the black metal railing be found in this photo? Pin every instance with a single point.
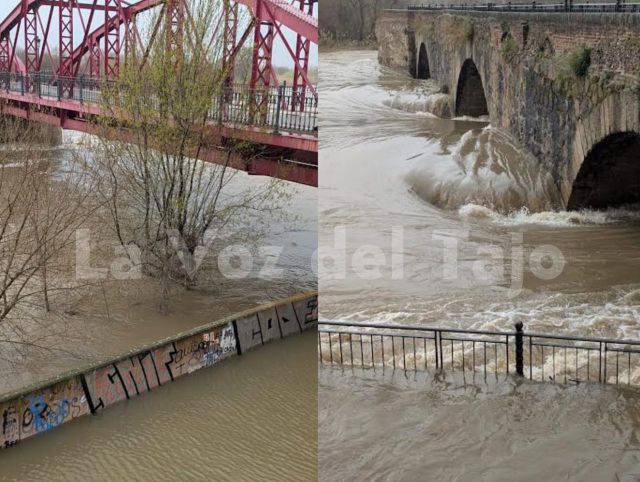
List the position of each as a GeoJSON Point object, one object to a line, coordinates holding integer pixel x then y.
{"type": "Point", "coordinates": [542, 357]}
{"type": "Point", "coordinates": [567, 6]}
{"type": "Point", "coordinates": [279, 108]}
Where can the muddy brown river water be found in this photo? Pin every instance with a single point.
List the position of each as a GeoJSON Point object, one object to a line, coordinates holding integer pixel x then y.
{"type": "Point", "coordinates": [252, 418]}
{"type": "Point", "coordinates": [449, 223]}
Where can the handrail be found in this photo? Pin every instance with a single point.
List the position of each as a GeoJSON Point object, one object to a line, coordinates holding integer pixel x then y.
{"type": "Point", "coordinates": [537, 356]}
{"type": "Point", "coordinates": [619, 6]}
{"type": "Point", "coordinates": [281, 108]}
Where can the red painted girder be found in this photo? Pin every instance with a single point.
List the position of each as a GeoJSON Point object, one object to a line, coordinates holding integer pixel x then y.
{"type": "Point", "coordinates": [284, 13]}
{"type": "Point", "coordinates": [115, 22]}
{"type": "Point", "coordinates": [289, 16]}
{"type": "Point", "coordinates": [298, 172]}
{"type": "Point", "coordinates": [297, 142]}
{"type": "Point", "coordinates": [16, 14]}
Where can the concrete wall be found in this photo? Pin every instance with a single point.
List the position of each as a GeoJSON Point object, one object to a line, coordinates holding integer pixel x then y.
{"type": "Point", "coordinates": [521, 57]}
{"type": "Point", "coordinates": [44, 406]}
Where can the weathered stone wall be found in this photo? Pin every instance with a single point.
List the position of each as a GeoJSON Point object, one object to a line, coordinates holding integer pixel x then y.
{"type": "Point", "coordinates": [47, 405]}
{"type": "Point", "coordinates": [530, 84]}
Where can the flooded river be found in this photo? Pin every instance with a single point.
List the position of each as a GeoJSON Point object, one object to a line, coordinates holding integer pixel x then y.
{"type": "Point", "coordinates": [449, 223]}
{"type": "Point", "coordinates": [250, 418]}
{"type": "Point", "coordinates": [114, 316]}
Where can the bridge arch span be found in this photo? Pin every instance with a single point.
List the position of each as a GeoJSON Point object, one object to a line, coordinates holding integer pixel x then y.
{"type": "Point", "coordinates": [609, 176]}
{"type": "Point", "coordinates": [470, 96]}
{"type": "Point", "coordinates": [423, 71]}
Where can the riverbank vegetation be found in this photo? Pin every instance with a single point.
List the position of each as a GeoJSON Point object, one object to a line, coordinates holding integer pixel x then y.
{"type": "Point", "coordinates": [352, 23]}
{"type": "Point", "coordinates": [44, 201]}
{"type": "Point", "coordinates": [167, 210]}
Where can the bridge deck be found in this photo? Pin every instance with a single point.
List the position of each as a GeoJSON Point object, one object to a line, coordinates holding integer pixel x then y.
{"type": "Point", "coordinates": [286, 133]}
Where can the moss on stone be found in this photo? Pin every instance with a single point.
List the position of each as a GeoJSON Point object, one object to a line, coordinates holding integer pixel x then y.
{"type": "Point", "coordinates": [448, 29]}
{"type": "Point", "coordinates": [510, 47]}
{"type": "Point", "coordinates": [580, 60]}
{"type": "Point", "coordinates": [468, 28]}
{"type": "Point", "coordinates": [426, 29]}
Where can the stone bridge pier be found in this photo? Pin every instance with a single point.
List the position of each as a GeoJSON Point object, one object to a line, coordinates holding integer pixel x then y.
{"type": "Point", "coordinates": [566, 86]}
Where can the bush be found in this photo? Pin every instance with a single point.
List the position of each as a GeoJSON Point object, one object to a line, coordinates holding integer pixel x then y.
{"type": "Point", "coordinates": [468, 29]}
{"type": "Point", "coordinates": [509, 47]}
{"type": "Point", "coordinates": [579, 61]}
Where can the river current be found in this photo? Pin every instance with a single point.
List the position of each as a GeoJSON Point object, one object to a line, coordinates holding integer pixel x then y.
{"type": "Point", "coordinates": [235, 421]}
{"type": "Point", "coordinates": [450, 223]}
{"type": "Point", "coordinates": [250, 418]}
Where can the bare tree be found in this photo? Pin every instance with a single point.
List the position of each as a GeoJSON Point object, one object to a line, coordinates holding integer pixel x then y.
{"type": "Point", "coordinates": [164, 205]}
{"type": "Point", "coordinates": [42, 203]}
{"type": "Point", "coordinates": [353, 20]}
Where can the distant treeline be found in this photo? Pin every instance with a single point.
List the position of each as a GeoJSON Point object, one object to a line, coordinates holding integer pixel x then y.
{"type": "Point", "coordinates": [353, 20]}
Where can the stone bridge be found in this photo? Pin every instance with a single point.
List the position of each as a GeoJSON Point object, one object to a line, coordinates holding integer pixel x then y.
{"type": "Point", "coordinates": [565, 85]}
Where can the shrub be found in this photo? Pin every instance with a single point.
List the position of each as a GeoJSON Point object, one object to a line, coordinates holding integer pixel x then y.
{"type": "Point", "coordinates": [468, 29]}
{"type": "Point", "coordinates": [509, 47]}
{"type": "Point", "coordinates": [579, 61]}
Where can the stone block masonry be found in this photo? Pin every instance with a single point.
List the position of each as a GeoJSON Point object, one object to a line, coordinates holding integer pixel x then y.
{"type": "Point", "coordinates": [44, 406]}
{"type": "Point", "coordinates": [566, 86]}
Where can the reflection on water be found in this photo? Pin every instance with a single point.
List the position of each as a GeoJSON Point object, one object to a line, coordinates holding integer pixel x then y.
{"type": "Point", "coordinates": [454, 216]}
{"type": "Point", "coordinates": [252, 418]}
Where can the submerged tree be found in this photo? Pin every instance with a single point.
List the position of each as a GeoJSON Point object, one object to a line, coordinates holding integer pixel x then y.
{"type": "Point", "coordinates": [166, 206]}
{"type": "Point", "coordinates": [42, 202]}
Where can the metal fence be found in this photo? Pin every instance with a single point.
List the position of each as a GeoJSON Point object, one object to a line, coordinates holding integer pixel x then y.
{"type": "Point", "coordinates": [542, 357]}
{"type": "Point", "coordinates": [277, 108]}
{"type": "Point", "coordinates": [567, 6]}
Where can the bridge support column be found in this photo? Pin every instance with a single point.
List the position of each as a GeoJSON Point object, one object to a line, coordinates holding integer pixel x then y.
{"type": "Point", "coordinates": [230, 41]}
{"type": "Point", "coordinates": [301, 69]}
{"type": "Point", "coordinates": [261, 69]}
{"type": "Point", "coordinates": [65, 35]}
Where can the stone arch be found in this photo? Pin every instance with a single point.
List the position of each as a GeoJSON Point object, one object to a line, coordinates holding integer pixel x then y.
{"type": "Point", "coordinates": [423, 71]}
{"type": "Point", "coordinates": [470, 98]}
{"type": "Point", "coordinates": [609, 175]}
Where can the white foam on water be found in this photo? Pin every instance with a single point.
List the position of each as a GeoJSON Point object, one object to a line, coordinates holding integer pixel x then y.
{"type": "Point", "coordinates": [483, 167]}
{"type": "Point", "coordinates": [467, 118]}
{"type": "Point", "coordinates": [429, 103]}
{"type": "Point", "coordinates": [475, 212]}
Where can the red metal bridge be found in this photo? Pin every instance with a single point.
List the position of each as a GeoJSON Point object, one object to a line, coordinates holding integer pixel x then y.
{"type": "Point", "coordinates": [55, 55]}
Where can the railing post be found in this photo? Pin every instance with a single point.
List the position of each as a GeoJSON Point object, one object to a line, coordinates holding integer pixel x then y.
{"type": "Point", "coordinates": [22, 84]}
{"type": "Point", "coordinates": [278, 108]}
{"type": "Point", "coordinates": [519, 349]}
{"type": "Point", "coordinates": [81, 81]}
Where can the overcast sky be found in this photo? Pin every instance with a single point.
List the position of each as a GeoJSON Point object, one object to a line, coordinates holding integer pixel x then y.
{"type": "Point", "coordinates": [281, 55]}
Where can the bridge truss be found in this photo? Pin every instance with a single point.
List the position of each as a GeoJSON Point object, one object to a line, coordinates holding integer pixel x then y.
{"type": "Point", "coordinates": [53, 54]}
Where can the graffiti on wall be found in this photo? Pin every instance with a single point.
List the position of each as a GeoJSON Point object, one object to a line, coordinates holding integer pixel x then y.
{"type": "Point", "coordinates": [41, 411]}
{"type": "Point", "coordinates": [46, 408]}
{"type": "Point", "coordinates": [150, 369]}
{"type": "Point", "coordinates": [276, 322]}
